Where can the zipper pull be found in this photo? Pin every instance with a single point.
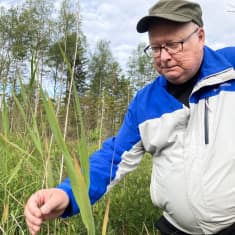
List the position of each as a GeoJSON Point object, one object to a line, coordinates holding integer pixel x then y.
{"type": "Point", "coordinates": [206, 121]}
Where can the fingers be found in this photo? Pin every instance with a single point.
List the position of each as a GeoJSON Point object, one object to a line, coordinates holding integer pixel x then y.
{"type": "Point", "coordinates": [33, 213]}
{"type": "Point", "coordinates": [44, 205]}
{"type": "Point", "coordinates": [34, 229]}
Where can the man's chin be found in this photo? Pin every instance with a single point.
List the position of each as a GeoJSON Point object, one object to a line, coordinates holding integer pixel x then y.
{"type": "Point", "coordinates": [171, 75]}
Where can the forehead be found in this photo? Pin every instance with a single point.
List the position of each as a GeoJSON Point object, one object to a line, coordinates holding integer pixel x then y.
{"type": "Point", "coordinates": [166, 28]}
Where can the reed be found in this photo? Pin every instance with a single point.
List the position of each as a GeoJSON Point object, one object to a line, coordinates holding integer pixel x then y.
{"type": "Point", "coordinates": [79, 183]}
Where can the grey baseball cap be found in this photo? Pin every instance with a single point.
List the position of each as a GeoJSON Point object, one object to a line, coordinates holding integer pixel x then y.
{"type": "Point", "coordinates": [173, 10]}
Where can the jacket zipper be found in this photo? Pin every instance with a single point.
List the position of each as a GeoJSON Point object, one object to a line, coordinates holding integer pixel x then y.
{"type": "Point", "coordinates": [206, 121]}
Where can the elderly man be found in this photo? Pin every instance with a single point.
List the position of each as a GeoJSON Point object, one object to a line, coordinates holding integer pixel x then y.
{"type": "Point", "coordinates": [185, 118]}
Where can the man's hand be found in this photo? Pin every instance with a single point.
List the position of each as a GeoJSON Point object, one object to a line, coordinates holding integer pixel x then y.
{"type": "Point", "coordinates": [43, 205]}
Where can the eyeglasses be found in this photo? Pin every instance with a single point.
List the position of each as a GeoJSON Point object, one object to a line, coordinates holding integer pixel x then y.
{"type": "Point", "coordinates": [170, 47]}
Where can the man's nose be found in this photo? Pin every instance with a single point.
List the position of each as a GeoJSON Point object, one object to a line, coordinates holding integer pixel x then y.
{"type": "Point", "coordinates": [165, 55]}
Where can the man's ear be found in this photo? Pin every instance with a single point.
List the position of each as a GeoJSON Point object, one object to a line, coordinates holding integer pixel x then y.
{"type": "Point", "coordinates": [201, 35]}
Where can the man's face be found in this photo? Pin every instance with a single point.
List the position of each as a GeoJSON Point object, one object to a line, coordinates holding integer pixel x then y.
{"type": "Point", "coordinates": [181, 66]}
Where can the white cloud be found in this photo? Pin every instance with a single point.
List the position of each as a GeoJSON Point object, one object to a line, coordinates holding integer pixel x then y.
{"type": "Point", "coordinates": [114, 21]}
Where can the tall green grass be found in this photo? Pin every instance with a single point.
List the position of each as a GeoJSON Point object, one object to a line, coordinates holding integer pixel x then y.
{"type": "Point", "coordinates": [78, 174]}
{"type": "Point", "coordinates": [130, 207]}
{"type": "Point", "coordinates": [33, 148]}
{"type": "Point", "coordinates": [80, 183]}
{"type": "Point", "coordinates": [29, 162]}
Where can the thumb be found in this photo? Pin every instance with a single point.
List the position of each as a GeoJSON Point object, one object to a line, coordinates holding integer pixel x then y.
{"type": "Point", "coordinates": [55, 203]}
{"type": "Point", "coordinates": [49, 205]}
{"type": "Point", "coordinates": [46, 208]}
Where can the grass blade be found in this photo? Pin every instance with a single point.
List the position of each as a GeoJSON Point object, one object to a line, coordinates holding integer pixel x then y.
{"type": "Point", "coordinates": [106, 218]}
{"type": "Point", "coordinates": [33, 132]}
{"type": "Point", "coordinates": [79, 186]}
{"type": "Point", "coordinates": [5, 118]}
{"type": "Point", "coordinates": [4, 139]}
{"type": "Point", "coordinates": [82, 147]}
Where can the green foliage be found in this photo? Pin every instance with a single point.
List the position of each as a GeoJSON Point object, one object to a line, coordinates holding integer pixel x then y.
{"type": "Point", "coordinates": [106, 99]}
{"type": "Point", "coordinates": [31, 142]}
{"type": "Point", "coordinates": [18, 168]}
{"type": "Point", "coordinates": [69, 44]}
{"type": "Point", "coordinates": [130, 210]}
{"type": "Point", "coordinates": [140, 68]}
{"type": "Point", "coordinates": [22, 26]}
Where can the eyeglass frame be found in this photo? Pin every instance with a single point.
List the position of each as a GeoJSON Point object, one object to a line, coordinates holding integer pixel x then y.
{"type": "Point", "coordinates": [149, 47]}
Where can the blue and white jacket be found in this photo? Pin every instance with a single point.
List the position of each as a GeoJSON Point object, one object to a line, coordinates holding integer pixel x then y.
{"type": "Point", "coordinates": [193, 149]}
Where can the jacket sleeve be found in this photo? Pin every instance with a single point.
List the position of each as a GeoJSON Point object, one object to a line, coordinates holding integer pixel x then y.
{"type": "Point", "coordinates": [118, 156]}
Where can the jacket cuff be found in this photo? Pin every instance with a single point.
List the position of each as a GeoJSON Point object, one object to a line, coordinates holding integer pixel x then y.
{"type": "Point", "coordinates": [72, 208]}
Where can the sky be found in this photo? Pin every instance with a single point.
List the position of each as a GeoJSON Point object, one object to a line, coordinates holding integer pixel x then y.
{"type": "Point", "coordinates": [115, 21]}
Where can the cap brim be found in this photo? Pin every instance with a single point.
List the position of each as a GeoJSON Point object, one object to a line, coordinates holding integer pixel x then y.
{"type": "Point", "coordinates": [144, 23]}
